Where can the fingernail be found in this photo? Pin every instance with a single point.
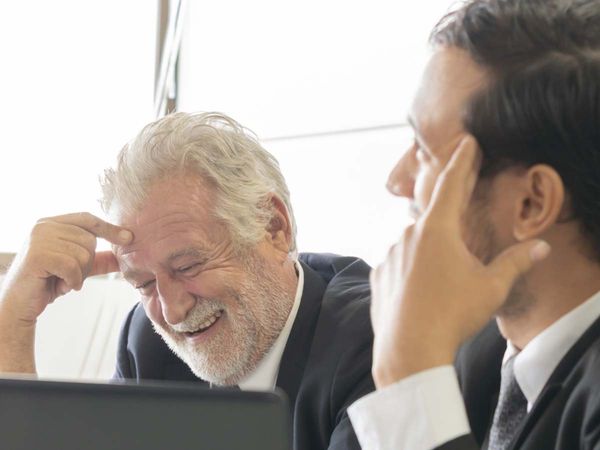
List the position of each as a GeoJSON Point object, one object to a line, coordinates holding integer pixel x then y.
{"type": "Point", "coordinates": [539, 251]}
{"type": "Point", "coordinates": [125, 236]}
{"type": "Point", "coordinates": [466, 139]}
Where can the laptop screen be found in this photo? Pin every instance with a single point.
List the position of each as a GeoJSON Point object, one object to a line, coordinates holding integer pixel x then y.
{"type": "Point", "coordinates": [48, 415]}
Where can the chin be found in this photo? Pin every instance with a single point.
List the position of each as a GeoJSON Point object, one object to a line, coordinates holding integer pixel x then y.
{"type": "Point", "coordinates": [518, 302]}
{"type": "Point", "coordinates": [211, 364]}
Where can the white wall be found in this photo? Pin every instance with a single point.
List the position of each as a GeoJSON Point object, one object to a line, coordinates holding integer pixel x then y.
{"type": "Point", "coordinates": [304, 72]}
{"type": "Point", "coordinates": [76, 84]}
{"type": "Point", "coordinates": [337, 185]}
{"type": "Point", "coordinates": [77, 334]}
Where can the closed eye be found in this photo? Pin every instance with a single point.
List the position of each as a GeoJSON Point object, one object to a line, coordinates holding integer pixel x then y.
{"type": "Point", "coordinates": [189, 268]}
{"type": "Point", "coordinates": [144, 285]}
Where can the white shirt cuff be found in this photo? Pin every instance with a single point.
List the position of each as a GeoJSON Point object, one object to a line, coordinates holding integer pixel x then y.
{"type": "Point", "coordinates": [420, 412]}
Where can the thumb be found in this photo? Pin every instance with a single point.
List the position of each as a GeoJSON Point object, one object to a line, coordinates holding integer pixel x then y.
{"type": "Point", "coordinates": [104, 262]}
{"type": "Point", "coordinates": [517, 260]}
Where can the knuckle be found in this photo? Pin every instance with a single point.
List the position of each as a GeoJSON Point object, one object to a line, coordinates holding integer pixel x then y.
{"type": "Point", "coordinates": [95, 223]}
{"type": "Point", "coordinates": [83, 256]}
{"type": "Point", "coordinates": [72, 266]}
{"type": "Point", "coordinates": [40, 227]}
{"type": "Point", "coordinates": [89, 241]}
{"type": "Point", "coordinates": [87, 219]}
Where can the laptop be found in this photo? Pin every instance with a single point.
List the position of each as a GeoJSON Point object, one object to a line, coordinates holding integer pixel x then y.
{"type": "Point", "coordinates": [51, 415]}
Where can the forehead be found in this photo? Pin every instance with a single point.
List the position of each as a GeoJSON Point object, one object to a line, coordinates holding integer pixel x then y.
{"type": "Point", "coordinates": [177, 215]}
{"type": "Point", "coordinates": [450, 78]}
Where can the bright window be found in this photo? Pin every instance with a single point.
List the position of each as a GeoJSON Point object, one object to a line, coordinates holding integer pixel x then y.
{"type": "Point", "coordinates": [304, 72]}
{"type": "Point", "coordinates": [77, 83]}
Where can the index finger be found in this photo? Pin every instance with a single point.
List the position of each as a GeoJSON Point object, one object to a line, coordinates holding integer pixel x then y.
{"type": "Point", "coordinates": [98, 227]}
{"type": "Point", "coordinates": [455, 184]}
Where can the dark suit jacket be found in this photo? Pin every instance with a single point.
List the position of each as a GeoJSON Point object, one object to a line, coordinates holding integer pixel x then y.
{"type": "Point", "coordinates": [326, 364]}
{"type": "Point", "coordinates": [566, 415]}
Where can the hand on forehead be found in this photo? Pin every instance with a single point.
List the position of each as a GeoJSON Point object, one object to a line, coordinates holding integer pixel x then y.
{"type": "Point", "coordinates": [455, 184]}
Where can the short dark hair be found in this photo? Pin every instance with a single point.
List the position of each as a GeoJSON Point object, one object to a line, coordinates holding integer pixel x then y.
{"type": "Point", "coordinates": [542, 103]}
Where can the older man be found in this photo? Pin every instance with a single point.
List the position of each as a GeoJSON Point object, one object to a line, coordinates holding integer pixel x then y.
{"type": "Point", "coordinates": [505, 165]}
{"type": "Point", "coordinates": [207, 236]}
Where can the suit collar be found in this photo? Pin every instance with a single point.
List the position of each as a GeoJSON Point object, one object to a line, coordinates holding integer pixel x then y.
{"type": "Point", "coordinates": [535, 364]}
{"type": "Point", "coordinates": [299, 342]}
{"type": "Point", "coordinates": [558, 379]}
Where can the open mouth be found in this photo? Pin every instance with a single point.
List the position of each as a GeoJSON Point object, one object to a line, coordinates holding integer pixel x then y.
{"type": "Point", "coordinates": [206, 325]}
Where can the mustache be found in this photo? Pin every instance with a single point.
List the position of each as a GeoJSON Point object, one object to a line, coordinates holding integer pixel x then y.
{"type": "Point", "coordinates": [202, 310]}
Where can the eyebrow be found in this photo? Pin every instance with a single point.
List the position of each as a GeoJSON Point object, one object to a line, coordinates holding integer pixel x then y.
{"type": "Point", "coordinates": [191, 252]}
{"type": "Point", "coordinates": [131, 275]}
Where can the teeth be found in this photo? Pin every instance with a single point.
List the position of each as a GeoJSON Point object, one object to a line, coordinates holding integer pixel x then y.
{"type": "Point", "coordinates": [208, 322]}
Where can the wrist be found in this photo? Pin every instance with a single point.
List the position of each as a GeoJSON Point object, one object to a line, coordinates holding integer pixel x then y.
{"type": "Point", "coordinates": [11, 315]}
{"type": "Point", "coordinates": [17, 342]}
{"type": "Point", "coordinates": [390, 370]}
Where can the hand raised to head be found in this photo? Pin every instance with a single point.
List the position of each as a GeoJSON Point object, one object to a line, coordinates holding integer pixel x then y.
{"type": "Point", "coordinates": [431, 293]}
{"type": "Point", "coordinates": [59, 255]}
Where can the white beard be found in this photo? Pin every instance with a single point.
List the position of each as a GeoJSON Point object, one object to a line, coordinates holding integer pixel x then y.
{"type": "Point", "coordinates": [252, 319]}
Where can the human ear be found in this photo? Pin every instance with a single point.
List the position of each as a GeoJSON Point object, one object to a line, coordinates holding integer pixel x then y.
{"type": "Point", "coordinates": [540, 200]}
{"type": "Point", "coordinates": [279, 229]}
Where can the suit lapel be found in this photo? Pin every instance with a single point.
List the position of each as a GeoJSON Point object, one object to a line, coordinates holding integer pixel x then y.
{"type": "Point", "coordinates": [299, 343]}
{"type": "Point", "coordinates": [478, 368]}
{"type": "Point", "coordinates": [556, 381]}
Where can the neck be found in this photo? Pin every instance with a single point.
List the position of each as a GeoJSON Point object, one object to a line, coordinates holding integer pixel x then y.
{"type": "Point", "coordinates": [555, 287]}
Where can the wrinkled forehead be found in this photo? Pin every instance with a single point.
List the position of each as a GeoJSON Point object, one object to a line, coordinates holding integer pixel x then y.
{"type": "Point", "coordinates": [175, 215]}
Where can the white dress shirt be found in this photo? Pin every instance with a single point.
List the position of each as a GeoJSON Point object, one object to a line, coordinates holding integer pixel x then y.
{"type": "Point", "coordinates": [264, 376]}
{"type": "Point", "coordinates": [426, 410]}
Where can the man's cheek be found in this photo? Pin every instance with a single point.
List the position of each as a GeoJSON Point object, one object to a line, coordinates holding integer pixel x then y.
{"type": "Point", "coordinates": [153, 310]}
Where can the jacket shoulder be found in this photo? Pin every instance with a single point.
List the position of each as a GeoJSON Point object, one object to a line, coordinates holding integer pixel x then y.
{"type": "Point", "coordinates": [347, 296]}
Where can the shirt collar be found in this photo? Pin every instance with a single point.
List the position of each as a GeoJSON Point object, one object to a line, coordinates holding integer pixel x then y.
{"type": "Point", "coordinates": [536, 362]}
{"type": "Point", "coordinates": [264, 376]}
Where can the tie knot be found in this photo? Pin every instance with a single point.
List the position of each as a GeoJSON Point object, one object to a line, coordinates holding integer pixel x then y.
{"type": "Point", "coordinates": [507, 375]}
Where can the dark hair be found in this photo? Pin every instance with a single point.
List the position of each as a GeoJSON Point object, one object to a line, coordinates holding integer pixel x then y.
{"type": "Point", "coordinates": [542, 103]}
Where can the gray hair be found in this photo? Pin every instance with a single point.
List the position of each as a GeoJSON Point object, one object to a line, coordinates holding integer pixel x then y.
{"type": "Point", "coordinates": [217, 149]}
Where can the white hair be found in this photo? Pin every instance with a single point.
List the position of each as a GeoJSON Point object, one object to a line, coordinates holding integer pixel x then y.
{"type": "Point", "coordinates": [217, 149]}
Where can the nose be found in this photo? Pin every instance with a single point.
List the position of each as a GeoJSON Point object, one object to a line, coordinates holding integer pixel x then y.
{"type": "Point", "coordinates": [175, 301]}
{"type": "Point", "coordinates": [401, 180]}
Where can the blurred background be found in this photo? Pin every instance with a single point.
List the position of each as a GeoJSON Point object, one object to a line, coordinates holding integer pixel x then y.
{"type": "Point", "coordinates": [325, 84]}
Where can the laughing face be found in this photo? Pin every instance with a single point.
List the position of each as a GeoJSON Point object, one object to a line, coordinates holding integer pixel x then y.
{"type": "Point", "coordinates": [219, 309]}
